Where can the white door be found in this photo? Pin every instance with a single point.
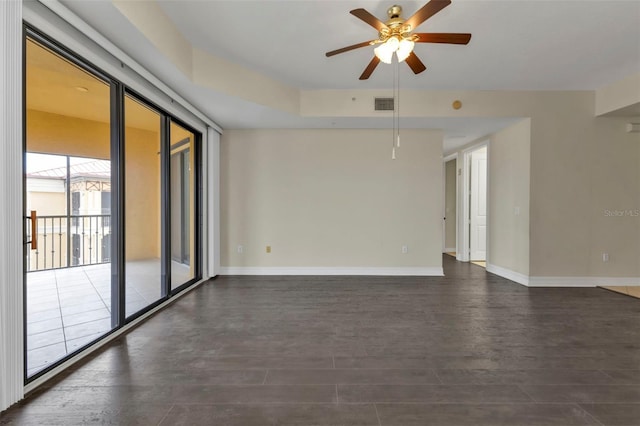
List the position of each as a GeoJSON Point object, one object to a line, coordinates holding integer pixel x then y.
{"type": "Point", "coordinates": [478, 210]}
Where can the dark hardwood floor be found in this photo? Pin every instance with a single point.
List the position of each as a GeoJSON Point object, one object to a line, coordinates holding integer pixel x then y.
{"type": "Point", "coordinates": [470, 348]}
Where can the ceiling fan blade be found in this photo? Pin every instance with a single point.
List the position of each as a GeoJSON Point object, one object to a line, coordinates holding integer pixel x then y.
{"type": "Point", "coordinates": [450, 38]}
{"type": "Point", "coordinates": [370, 68]}
{"type": "Point", "coordinates": [426, 12]}
{"type": "Point", "coordinates": [368, 18]}
{"type": "Point", "coordinates": [415, 63]}
{"type": "Point", "coordinates": [348, 48]}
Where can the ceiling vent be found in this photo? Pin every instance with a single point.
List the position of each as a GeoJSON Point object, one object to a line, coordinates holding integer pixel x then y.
{"type": "Point", "coordinates": [384, 104]}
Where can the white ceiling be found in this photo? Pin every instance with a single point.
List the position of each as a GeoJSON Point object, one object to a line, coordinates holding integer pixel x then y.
{"type": "Point", "coordinates": [516, 45]}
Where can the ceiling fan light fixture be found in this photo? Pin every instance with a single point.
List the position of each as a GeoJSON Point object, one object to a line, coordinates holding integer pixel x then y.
{"type": "Point", "coordinates": [385, 51]}
{"type": "Point", "coordinates": [404, 49]}
{"type": "Point", "coordinates": [393, 43]}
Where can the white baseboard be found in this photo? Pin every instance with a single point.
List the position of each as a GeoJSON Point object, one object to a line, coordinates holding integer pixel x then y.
{"type": "Point", "coordinates": [508, 274]}
{"type": "Point", "coordinates": [562, 281]}
{"type": "Point", "coordinates": [311, 270]}
{"type": "Point", "coordinates": [583, 281]}
{"type": "Point", "coordinates": [449, 250]}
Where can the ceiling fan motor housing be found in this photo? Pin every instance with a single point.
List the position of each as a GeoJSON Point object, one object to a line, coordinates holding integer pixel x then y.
{"type": "Point", "coordinates": [395, 25]}
{"type": "Point", "coordinates": [394, 11]}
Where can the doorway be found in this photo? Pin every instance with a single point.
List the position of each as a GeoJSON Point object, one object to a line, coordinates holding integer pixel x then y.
{"type": "Point", "coordinates": [475, 195]}
{"type": "Point", "coordinates": [450, 214]}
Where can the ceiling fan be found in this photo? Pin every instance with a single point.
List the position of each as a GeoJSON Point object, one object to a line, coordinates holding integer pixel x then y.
{"type": "Point", "coordinates": [396, 36]}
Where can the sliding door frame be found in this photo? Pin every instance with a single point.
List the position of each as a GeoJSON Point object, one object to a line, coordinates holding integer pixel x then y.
{"type": "Point", "coordinates": [118, 91]}
{"type": "Point", "coordinates": [164, 118]}
{"type": "Point", "coordinates": [196, 215]}
{"type": "Point", "coordinates": [118, 293]}
{"type": "Point", "coordinates": [30, 32]}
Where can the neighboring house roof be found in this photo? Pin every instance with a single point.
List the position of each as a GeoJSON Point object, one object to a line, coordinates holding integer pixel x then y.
{"type": "Point", "coordinates": [90, 169]}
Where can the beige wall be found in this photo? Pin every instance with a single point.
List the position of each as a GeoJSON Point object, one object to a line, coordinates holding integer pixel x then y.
{"type": "Point", "coordinates": [58, 134]}
{"type": "Point", "coordinates": [509, 161]}
{"type": "Point", "coordinates": [450, 204]}
{"type": "Point", "coordinates": [614, 162]}
{"type": "Point", "coordinates": [331, 198]}
{"type": "Point", "coordinates": [580, 166]}
{"type": "Point", "coordinates": [563, 168]}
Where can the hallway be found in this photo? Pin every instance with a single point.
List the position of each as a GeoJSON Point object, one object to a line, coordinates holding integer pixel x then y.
{"type": "Point", "coordinates": [470, 348]}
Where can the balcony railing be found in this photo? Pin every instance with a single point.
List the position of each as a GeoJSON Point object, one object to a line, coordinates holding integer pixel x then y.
{"type": "Point", "coordinates": [66, 241]}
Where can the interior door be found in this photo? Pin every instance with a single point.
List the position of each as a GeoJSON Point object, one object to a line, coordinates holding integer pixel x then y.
{"type": "Point", "coordinates": [478, 210]}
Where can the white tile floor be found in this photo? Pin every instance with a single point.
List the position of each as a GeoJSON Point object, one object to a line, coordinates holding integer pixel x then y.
{"type": "Point", "coordinates": [68, 308]}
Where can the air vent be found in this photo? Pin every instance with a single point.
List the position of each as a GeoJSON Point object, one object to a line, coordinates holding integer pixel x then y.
{"type": "Point", "coordinates": [384, 104]}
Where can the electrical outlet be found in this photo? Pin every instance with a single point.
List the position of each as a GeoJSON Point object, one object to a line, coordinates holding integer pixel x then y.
{"type": "Point", "coordinates": [516, 211]}
{"type": "Point", "coordinates": [240, 249]}
{"type": "Point", "coordinates": [268, 249]}
{"type": "Point", "coordinates": [405, 249]}
{"type": "Point", "coordinates": [605, 257]}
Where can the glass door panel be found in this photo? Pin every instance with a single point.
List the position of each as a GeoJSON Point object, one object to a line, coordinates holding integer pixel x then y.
{"type": "Point", "coordinates": [67, 207]}
{"type": "Point", "coordinates": [182, 195]}
{"type": "Point", "coordinates": [143, 221]}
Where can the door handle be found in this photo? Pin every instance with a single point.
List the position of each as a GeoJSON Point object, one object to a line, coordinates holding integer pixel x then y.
{"type": "Point", "coordinates": [34, 230]}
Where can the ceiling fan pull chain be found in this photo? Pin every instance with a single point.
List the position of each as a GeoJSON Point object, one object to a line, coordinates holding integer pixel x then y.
{"type": "Point", "coordinates": [398, 106]}
{"type": "Point", "coordinates": [393, 116]}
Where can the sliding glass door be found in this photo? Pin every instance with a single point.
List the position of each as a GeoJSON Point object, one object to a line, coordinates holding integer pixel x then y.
{"type": "Point", "coordinates": [67, 203]}
{"type": "Point", "coordinates": [111, 205]}
{"type": "Point", "coordinates": [142, 197]}
{"type": "Point", "coordinates": [183, 197]}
